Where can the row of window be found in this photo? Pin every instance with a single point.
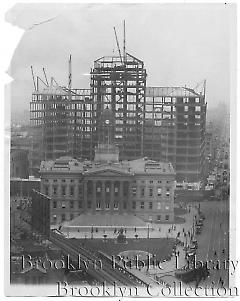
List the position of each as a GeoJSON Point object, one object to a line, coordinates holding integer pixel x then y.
{"type": "Point", "coordinates": [106, 205]}
{"type": "Point", "coordinates": [151, 191]}
{"type": "Point", "coordinates": [62, 190]}
{"type": "Point", "coordinates": [63, 180]}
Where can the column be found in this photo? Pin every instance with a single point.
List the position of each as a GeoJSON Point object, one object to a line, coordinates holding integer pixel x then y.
{"type": "Point", "coordinates": [121, 197]}
{"type": "Point", "coordinates": [112, 196]}
{"type": "Point", "coordinates": [94, 196]}
{"type": "Point", "coordinates": [85, 195]}
{"type": "Point", "coordinates": [103, 194]}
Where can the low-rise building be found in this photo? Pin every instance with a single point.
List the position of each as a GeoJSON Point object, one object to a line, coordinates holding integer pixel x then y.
{"type": "Point", "coordinates": [142, 187]}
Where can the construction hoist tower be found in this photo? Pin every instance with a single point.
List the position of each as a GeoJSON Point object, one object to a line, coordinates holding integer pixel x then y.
{"type": "Point", "coordinates": [119, 83]}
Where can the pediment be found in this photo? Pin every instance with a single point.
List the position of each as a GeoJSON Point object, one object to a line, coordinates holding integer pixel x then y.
{"type": "Point", "coordinates": [108, 172]}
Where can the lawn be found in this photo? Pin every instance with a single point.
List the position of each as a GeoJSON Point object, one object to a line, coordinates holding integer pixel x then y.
{"type": "Point", "coordinates": [162, 248]}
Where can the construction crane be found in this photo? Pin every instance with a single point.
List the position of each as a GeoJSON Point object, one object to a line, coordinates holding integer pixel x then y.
{"type": "Point", "coordinates": [119, 51]}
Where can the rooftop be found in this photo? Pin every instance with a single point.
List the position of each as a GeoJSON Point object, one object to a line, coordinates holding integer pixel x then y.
{"type": "Point", "coordinates": [171, 92]}
{"type": "Point", "coordinates": [138, 166]}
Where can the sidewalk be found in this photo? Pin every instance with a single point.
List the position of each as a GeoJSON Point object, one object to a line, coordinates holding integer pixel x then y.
{"type": "Point", "coordinates": [155, 230]}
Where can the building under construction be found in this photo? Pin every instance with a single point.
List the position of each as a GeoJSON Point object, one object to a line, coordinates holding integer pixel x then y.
{"type": "Point", "coordinates": [161, 123]}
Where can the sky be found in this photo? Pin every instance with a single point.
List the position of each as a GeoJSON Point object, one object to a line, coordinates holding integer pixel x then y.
{"type": "Point", "coordinates": [180, 44]}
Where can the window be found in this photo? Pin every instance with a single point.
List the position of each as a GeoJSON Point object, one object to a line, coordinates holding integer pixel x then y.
{"type": "Point", "coordinates": [167, 207]}
{"type": "Point", "coordinates": [98, 206]}
{"type": "Point", "coordinates": [185, 116]}
{"type": "Point", "coordinates": [197, 116]}
{"type": "Point", "coordinates": [185, 100]}
{"type": "Point", "coordinates": [80, 204]}
{"type": "Point", "coordinates": [54, 219]}
{"type": "Point", "coordinates": [159, 217]}
{"type": "Point", "coordinates": [150, 205]}
{"type": "Point", "coordinates": [107, 206]}
{"type": "Point", "coordinates": [158, 205]}
{"type": "Point", "coordinates": [71, 190]}
{"type": "Point", "coordinates": [133, 205]}
{"type": "Point", "coordinates": [159, 191]}
{"type": "Point", "coordinates": [107, 189]}
{"type": "Point", "coordinates": [134, 191]}
{"type": "Point", "coordinates": [98, 189]}
{"type": "Point", "coordinates": [72, 180]}
{"type": "Point", "coordinates": [55, 180]}
{"type": "Point", "coordinates": [167, 217]}
{"type": "Point", "coordinates": [63, 217]}
{"type": "Point", "coordinates": [63, 180]}
{"type": "Point", "coordinates": [167, 192]}
{"type": "Point", "coordinates": [116, 190]}
{"type": "Point", "coordinates": [142, 192]}
{"type": "Point", "coordinates": [142, 205]}
{"type": "Point", "coordinates": [197, 100]}
{"type": "Point", "coordinates": [54, 204]}
{"type": "Point", "coordinates": [198, 109]}
{"type": "Point", "coordinates": [159, 182]}
{"type": "Point", "coordinates": [63, 190]}
{"type": "Point", "coordinates": [54, 190]}
{"type": "Point", "coordinates": [151, 182]}
{"type": "Point", "coordinates": [115, 206]}
{"type": "Point", "coordinates": [46, 190]}
{"type": "Point", "coordinates": [124, 205]}
{"type": "Point", "coordinates": [89, 204]}
{"type": "Point", "coordinates": [150, 192]}
{"type": "Point", "coordinates": [63, 205]}
{"type": "Point", "coordinates": [71, 216]}
{"type": "Point", "coordinates": [185, 108]}
{"type": "Point", "coordinates": [71, 204]}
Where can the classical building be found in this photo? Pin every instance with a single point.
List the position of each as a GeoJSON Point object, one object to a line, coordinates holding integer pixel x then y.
{"type": "Point", "coordinates": [142, 187]}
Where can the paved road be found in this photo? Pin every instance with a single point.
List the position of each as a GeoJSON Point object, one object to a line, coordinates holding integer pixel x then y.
{"type": "Point", "coordinates": [215, 237]}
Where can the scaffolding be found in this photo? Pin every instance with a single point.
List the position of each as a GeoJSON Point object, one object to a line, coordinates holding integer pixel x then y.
{"type": "Point", "coordinates": [119, 83]}
{"type": "Point", "coordinates": [178, 118]}
{"type": "Point", "coordinates": [59, 124]}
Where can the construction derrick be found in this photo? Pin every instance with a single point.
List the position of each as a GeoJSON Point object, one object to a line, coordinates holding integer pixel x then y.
{"type": "Point", "coordinates": [58, 124]}
{"type": "Point", "coordinates": [120, 85]}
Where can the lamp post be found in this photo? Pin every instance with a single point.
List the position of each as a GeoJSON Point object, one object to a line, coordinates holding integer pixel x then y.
{"type": "Point", "coordinates": [92, 232]}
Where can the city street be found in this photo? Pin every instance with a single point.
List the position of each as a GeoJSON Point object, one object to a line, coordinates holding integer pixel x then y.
{"type": "Point", "coordinates": [215, 237]}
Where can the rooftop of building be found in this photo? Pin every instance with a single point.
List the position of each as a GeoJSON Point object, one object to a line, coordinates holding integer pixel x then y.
{"type": "Point", "coordinates": [138, 166]}
{"type": "Point", "coordinates": [171, 92]}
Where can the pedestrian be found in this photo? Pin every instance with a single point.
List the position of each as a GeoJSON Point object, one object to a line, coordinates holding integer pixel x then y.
{"type": "Point", "coordinates": [178, 253]}
{"type": "Point", "coordinates": [215, 253]}
{"type": "Point", "coordinates": [159, 229]}
{"type": "Point", "coordinates": [183, 230]}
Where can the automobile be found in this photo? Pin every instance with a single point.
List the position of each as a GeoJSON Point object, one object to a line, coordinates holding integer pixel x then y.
{"type": "Point", "coordinates": [201, 215]}
{"type": "Point", "coordinates": [199, 223]}
{"type": "Point", "coordinates": [198, 231]}
{"type": "Point", "coordinates": [194, 242]}
{"type": "Point", "coordinates": [193, 248]}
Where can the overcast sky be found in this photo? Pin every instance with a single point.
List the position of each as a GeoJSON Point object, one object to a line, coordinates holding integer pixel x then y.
{"type": "Point", "coordinates": [181, 44]}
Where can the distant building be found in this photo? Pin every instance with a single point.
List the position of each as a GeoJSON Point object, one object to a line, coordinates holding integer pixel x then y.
{"type": "Point", "coordinates": [19, 163]}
